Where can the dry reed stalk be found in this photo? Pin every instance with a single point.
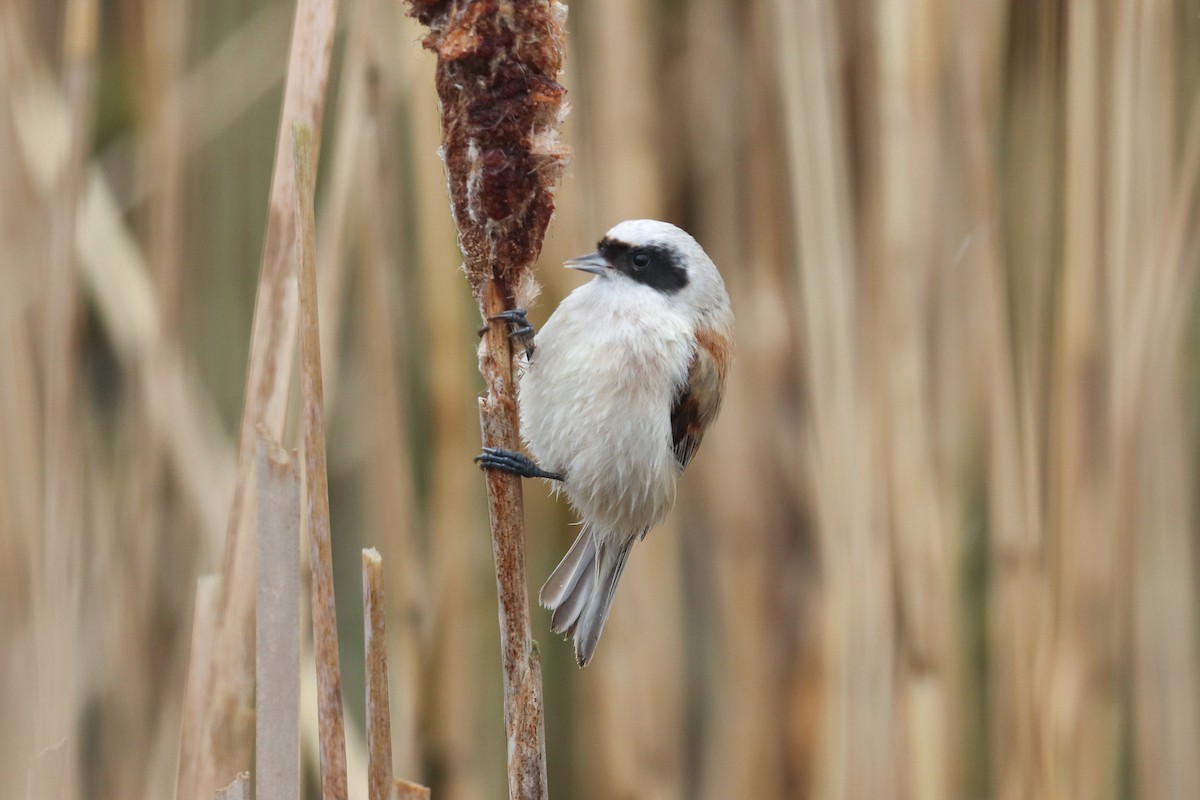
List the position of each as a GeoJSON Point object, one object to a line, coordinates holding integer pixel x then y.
{"type": "Point", "coordinates": [900, 244]}
{"type": "Point", "coordinates": [120, 542]}
{"type": "Point", "coordinates": [21, 506]}
{"type": "Point", "coordinates": [635, 753]}
{"type": "Point", "coordinates": [748, 752]}
{"type": "Point", "coordinates": [310, 729]}
{"type": "Point", "coordinates": [379, 717]}
{"type": "Point", "coordinates": [205, 617]}
{"type": "Point", "coordinates": [789, 626]}
{"type": "Point", "coordinates": [985, 399]}
{"type": "Point", "coordinates": [501, 105]}
{"type": "Point", "coordinates": [1031, 131]}
{"type": "Point", "coordinates": [389, 490]}
{"type": "Point", "coordinates": [132, 714]}
{"type": "Point", "coordinates": [857, 758]}
{"type": "Point", "coordinates": [1085, 721]}
{"type": "Point", "coordinates": [165, 48]}
{"type": "Point", "coordinates": [23, 230]}
{"type": "Point", "coordinates": [345, 173]}
{"type": "Point", "coordinates": [619, 103]}
{"type": "Point", "coordinates": [381, 784]}
{"type": "Point", "coordinates": [277, 623]}
{"type": "Point", "coordinates": [1019, 605]}
{"type": "Point", "coordinates": [57, 561]}
{"type": "Point", "coordinates": [1164, 652]}
{"type": "Point", "coordinates": [1022, 593]}
{"type": "Point", "coordinates": [268, 378]}
{"type": "Point", "coordinates": [21, 497]}
{"type": "Point", "coordinates": [316, 482]}
{"type": "Point", "coordinates": [1166, 708]}
{"type": "Point", "coordinates": [1147, 231]}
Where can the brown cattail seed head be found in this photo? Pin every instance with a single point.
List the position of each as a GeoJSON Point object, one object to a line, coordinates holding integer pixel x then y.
{"type": "Point", "coordinates": [498, 62]}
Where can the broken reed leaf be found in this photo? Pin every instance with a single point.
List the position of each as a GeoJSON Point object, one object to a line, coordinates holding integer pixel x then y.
{"type": "Point", "coordinates": [236, 790]}
{"type": "Point", "coordinates": [277, 621]}
{"type": "Point", "coordinates": [404, 790]}
{"type": "Point", "coordinates": [501, 105]}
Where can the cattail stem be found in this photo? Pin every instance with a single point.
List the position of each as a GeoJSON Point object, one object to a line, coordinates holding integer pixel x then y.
{"type": "Point", "coordinates": [501, 105]}
{"type": "Point", "coordinates": [523, 712]}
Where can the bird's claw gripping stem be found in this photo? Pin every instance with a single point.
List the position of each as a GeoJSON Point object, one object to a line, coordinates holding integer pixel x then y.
{"type": "Point", "coordinates": [516, 463]}
{"type": "Point", "coordinates": [521, 331]}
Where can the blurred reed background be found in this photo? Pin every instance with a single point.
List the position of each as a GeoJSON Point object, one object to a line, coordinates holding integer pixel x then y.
{"type": "Point", "coordinates": [941, 543]}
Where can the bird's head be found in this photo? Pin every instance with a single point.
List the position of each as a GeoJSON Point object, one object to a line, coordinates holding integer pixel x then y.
{"type": "Point", "coordinates": [662, 257]}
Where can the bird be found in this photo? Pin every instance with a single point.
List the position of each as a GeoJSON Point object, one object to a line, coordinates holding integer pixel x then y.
{"type": "Point", "coordinates": [616, 393]}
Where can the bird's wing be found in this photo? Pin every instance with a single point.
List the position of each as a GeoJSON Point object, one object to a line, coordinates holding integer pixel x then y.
{"type": "Point", "coordinates": [697, 403]}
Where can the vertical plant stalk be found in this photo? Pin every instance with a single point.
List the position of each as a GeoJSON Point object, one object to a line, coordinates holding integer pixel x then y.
{"type": "Point", "coordinates": [381, 785]}
{"type": "Point", "coordinates": [57, 559]}
{"type": "Point", "coordinates": [501, 106]}
{"type": "Point", "coordinates": [1164, 649]}
{"type": "Point", "coordinates": [205, 616]}
{"type": "Point", "coordinates": [1081, 517]}
{"type": "Point", "coordinates": [1018, 607]}
{"type": "Point", "coordinates": [524, 720]}
{"type": "Point", "coordinates": [163, 155]}
{"type": "Point", "coordinates": [388, 489]}
{"type": "Point", "coordinates": [856, 755]}
{"type": "Point", "coordinates": [900, 245]}
{"type": "Point", "coordinates": [316, 482]}
{"type": "Point", "coordinates": [228, 728]}
{"type": "Point", "coordinates": [277, 624]}
{"type": "Point", "coordinates": [379, 729]}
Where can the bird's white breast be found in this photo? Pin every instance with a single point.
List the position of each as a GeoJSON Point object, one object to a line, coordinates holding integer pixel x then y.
{"type": "Point", "coordinates": [596, 401]}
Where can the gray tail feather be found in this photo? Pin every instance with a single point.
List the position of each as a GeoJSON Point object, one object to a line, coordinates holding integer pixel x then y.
{"type": "Point", "coordinates": [580, 591]}
{"type": "Point", "coordinates": [570, 572]}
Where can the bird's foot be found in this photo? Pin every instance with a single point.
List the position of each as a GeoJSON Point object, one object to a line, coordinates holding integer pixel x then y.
{"type": "Point", "coordinates": [516, 463]}
{"type": "Point", "coordinates": [521, 330]}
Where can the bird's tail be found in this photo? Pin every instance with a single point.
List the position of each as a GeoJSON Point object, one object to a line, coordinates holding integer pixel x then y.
{"type": "Point", "coordinates": [581, 588]}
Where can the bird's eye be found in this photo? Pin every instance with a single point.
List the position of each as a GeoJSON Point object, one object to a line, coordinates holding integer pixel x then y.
{"type": "Point", "coordinates": [641, 259]}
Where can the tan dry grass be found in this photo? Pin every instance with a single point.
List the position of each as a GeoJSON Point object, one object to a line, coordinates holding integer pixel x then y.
{"type": "Point", "coordinates": [941, 542]}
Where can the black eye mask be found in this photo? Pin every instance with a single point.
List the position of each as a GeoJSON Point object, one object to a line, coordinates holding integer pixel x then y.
{"type": "Point", "coordinates": [656, 266]}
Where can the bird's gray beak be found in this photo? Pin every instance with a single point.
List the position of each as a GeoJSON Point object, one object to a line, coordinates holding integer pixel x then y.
{"type": "Point", "coordinates": [592, 262]}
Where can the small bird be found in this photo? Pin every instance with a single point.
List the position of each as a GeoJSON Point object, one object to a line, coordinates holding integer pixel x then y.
{"type": "Point", "coordinates": [626, 377]}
